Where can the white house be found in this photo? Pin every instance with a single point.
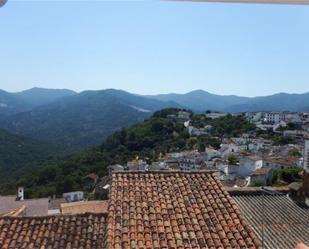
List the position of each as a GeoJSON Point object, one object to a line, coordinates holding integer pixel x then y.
{"type": "Point", "coordinates": [261, 176]}
{"type": "Point", "coordinates": [193, 131]}
{"type": "Point", "coordinates": [215, 115]}
{"type": "Point", "coordinates": [230, 148]}
{"type": "Point", "coordinates": [211, 153]}
{"type": "Point", "coordinates": [74, 196]}
{"type": "Point", "coordinates": [183, 115]}
{"type": "Point", "coordinates": [249, 164]}
{"type": "Point", "coordinates": [274, 117]}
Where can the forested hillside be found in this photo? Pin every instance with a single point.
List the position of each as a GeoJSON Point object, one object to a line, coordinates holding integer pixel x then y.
{"type": "Point", "coordinates": [19, 154]}
{"type": "Point", "coordinates": [156, 135]}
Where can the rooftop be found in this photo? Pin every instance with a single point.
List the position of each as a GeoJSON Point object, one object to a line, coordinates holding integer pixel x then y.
{"type": "Point", "coordinates": [285, 223]}
{"type": "Point", "coordinates": [84, 207]}
{"type": "Point", "coordinates": [174, 210]}
{"type": "Point", "coordinates": [78, 231]}
{"type": "Point", "coordinates": [34, 207]}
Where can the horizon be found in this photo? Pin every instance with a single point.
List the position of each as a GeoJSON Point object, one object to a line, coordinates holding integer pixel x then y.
{"type": "Point", "coordinates": [155, 47]}
{"type": "Point", "coordinates": [164, 93]}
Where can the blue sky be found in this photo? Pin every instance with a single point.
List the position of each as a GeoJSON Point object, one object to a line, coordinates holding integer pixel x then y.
{"type": "Point", "coordinates": [154, 46]}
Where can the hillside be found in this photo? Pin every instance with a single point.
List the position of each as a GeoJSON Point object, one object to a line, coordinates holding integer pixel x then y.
{"type": "Point", "coordinates": [40, 96]}
{"type": "Point", "coordinates": [84, 119]}
{"type": "Point", "coordinates": [20, 154]}
{"type": "Point", "coordinates": [147, 140]}
{"type": "Point", "coordinates": [11, 104]}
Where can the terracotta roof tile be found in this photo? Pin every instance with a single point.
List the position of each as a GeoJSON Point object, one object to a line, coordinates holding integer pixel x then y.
{"type": "Point", "coordinates": [174, 210]}
{"type": "Point", "coordinates": [79, 231]}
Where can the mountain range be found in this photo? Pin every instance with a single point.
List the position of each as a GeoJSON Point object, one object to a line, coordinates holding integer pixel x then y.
{"type": "Point", "coordinates": [79, 120]}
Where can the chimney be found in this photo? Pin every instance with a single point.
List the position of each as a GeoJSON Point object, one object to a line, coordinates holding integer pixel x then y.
{"type": "Point", "coordinates": [20, 194]}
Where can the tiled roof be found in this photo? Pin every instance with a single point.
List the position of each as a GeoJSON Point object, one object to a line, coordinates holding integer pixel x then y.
{"type": "Point", "coordinates": [53, 232]}
{"type": "Point", "coordinates": [174, 210]}
{"type": "Point", "coordinates": [34, 207]}
{"type": "Point", "coordinates": [285, 223]}
{"type": "Point", "coordinates": [84, 207]}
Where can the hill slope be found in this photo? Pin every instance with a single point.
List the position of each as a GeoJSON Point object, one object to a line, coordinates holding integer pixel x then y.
{"type": "Point", "coordinates": [11, 104]}
{"type": "Point", "coordinates": [19, 154]}
{"type": "Point", "coordinates": [84, 119]}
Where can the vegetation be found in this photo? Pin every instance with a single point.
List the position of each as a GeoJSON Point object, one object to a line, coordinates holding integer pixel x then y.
{"type": "Point", "coordinates": [19, 154]}
{"type": "Point", "coordinates": [228, 126]}
{"type": "Point", "coordinates": [287, 175]}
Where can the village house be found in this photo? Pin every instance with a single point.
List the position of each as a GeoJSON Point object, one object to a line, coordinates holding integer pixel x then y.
{"type": "Point", "coordinates": [73, 196]}
{"type": "Point", "coordinates": [211, 153]}
{"type": "Point", "coordinates": [279, 162]}
{"type": "Point", "coordinates": [261, 177]}
{"type": "Point", "coordinates": [215, 115]}
{"type": "Point", "coordinates": [184, 115]}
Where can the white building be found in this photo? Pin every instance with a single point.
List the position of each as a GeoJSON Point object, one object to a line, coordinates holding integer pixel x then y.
{"type": "Point", "coordinates": [249, 164]}
{"type": "Point", "coordinates": [274, 117]}
{"type": "Point", "coordinates": [184, 115]}
{"type": "Point", "coordinates": [193, 131]}
{"type": "Point", "coordinates": [214, 115]}
{"type": "Point", "coordinates": [277, 117]}
{"type": "Point", "coordinates": [74, 196]}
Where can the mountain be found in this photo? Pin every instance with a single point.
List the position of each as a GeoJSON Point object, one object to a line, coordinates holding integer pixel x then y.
{"type": "Point", "coordinates": [11, 104]}
{"type": "Point", "coordinates": [276, 102]}
{"type": "Point", "coordinates": [40, 96]}
{"type": "Point", "coordinates": [200, 100]}
{"type": "Point", "coordinates": [84, 119]}
{"type": "Point", "coordinates": [19, 154]}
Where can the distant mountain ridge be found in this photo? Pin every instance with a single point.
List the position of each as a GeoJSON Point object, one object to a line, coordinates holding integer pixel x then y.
{"type": "Point", "coordinates": [200, 100]}
{"type": "Point", "coordinates": [79, 120]}
{"type": "Point", "coordinates": [84, 119]}
{"type": "Point", "coordinates": [40, 96]}
{"type": "Point", "coordinates": [13, 103]}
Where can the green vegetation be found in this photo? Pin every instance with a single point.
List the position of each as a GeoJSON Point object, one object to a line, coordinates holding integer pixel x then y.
{"type": "Point", "coordinates": [226, 126]}
{"type": "Point", "coordinates": [19, 154]}
{"type": "Point", "coordinates": [288, 175]}
{"type": "Point", "coordinates": [232, 160]}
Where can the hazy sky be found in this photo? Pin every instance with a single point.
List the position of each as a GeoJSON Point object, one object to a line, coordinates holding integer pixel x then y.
{"type": "Point", "coordinates": [154, 47]}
